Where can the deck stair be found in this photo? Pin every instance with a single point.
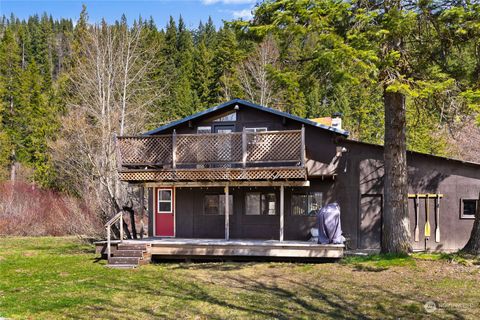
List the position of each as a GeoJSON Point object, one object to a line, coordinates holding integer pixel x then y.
{"type": "Point", "coordinates": [128, 255]}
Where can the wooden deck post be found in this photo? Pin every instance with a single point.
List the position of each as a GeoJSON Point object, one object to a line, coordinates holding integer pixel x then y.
{"type": "Point", "coordinates": [118, 153]}
{"type": "Point", "coordinates": [109, 250]}
{"type": "Point", "coordinates": [244, 148]}
{"type": "Point", "coordinates": [121, 227]}
{"type": "Point", "coordinates": [302, 147]}
{"type": "Point", "coordinates": [142, 210]}
{"type": "Point", "coordinates": [227, 213]}
{"type": "Point", "coordinates": [282, 213]}
{"type": "Point", "coordinates": [174, 149]}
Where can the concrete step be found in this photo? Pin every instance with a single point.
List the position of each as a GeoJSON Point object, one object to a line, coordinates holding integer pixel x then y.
{"type": "Point", "coordinates": [128, 253]}
{"type": "Point", "coordinates": [121, 266]}
{"type": "Point", "coordinates": [124, 260]}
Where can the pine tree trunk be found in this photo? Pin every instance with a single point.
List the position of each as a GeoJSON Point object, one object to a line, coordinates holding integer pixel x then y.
{"type": "Point", "coordinates": [473, 244]}
{"type": "Point", "coordinates": [396, 224]}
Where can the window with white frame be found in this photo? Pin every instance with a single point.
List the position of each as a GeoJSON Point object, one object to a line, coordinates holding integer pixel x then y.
{"type": "Point", "coordinates": [259, 129]}
{"type": "Point", "coordinates": [254, 139]}
{"type": "Point", "coordinates": [468, 208]}
{"type": "Point", "coordinates": [164, 201]}
{"type": "Point", "coordinates": [204, 129]}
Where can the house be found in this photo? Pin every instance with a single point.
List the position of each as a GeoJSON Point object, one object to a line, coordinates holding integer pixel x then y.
{"type": "Point", "coordinates": [252, 177]}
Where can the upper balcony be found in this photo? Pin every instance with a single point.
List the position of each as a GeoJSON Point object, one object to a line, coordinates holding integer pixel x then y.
{"type": "Point", "coordinates": [270, 155]}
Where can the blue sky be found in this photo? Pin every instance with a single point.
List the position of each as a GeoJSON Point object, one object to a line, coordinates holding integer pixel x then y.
{"type": "Point", "coordinates": [193, 11]}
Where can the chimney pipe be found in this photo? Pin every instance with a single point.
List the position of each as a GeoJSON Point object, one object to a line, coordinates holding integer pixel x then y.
{"type": "Point", "coordinates": [337, 120]}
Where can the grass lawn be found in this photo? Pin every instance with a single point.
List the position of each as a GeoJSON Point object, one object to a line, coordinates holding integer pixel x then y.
{"type": "Point", "coordinates": [55, 278]}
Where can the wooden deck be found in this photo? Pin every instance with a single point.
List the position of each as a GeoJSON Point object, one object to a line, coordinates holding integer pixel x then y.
{"type": "Point", "coordinates": [229, 249]}
{"type": "Point", "coordinates": [236, 156]}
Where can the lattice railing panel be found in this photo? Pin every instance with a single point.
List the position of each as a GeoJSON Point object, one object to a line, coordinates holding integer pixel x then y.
{"type": "Point", "coordinates": [274, 146]}
{"type": "Point", "coordinates": [145, 150]}
{"type": "Point", "coordinates": [292, 173]}
{"type": "Point", "coordinates": [209, 148]}
{"type": "Point", "coordinates": [227, 150]}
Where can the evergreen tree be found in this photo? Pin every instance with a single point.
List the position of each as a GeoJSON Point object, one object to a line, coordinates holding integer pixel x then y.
{"type": "Point", "coordinates": [203, 75]}
{"type": "Point", "coordinates": [37, 121]}
{"type": "Point", "coordinates": [4, 141]}
{"type": "Point", "coordinates": [226, 57]}
{"type": "Point", "coordinates": [184, 101]}
{"type": "Point", "coordinates": [10, 62]}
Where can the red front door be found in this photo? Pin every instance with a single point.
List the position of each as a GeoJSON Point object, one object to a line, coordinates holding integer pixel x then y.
{"type": "Point", "coordinates": [164, 212]}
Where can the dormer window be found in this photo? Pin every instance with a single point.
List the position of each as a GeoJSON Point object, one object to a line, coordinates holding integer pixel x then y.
{"type": "Point", "coordinates": [227, 118]}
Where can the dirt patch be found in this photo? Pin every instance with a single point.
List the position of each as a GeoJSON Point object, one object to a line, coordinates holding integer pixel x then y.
{"type": "Point", "coordinates": [29, 254]}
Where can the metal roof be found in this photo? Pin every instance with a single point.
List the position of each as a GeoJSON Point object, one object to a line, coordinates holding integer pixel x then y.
{"type": "Point", "coordinates": [247, 104]}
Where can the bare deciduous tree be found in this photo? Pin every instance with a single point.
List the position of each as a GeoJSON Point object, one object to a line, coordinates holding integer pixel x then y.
{"type": "Point", "coordinates": [111, 94]}
{"type": "Point", "coordinates": [254, 72]}
{"type": "Point", "coordinates": [465, 140]}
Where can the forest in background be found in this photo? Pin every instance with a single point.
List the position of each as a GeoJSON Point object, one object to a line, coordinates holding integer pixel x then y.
{"type": "Point", "coordinates": [67, 88]}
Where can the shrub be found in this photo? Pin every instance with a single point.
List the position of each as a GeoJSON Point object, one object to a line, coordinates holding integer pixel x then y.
{"type": "Point", "coordinates": [26, 210]}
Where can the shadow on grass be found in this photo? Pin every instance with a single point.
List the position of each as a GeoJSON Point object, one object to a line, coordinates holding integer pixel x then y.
{"type": "Point", "coordinates": [215, 290]}
{"type": "Point", "coordinates": [156, 292]}
{"type": "Point", "coordinates": [259, 296]}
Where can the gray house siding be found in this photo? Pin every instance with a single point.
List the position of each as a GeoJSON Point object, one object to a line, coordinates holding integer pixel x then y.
{"type": "Point", "coordinates": [354, 180]}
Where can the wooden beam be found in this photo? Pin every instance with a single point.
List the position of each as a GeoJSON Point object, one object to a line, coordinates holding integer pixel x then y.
{"type": "Point", "coordinates": [302, 146]}
{"type": "Point", "coordinates": [174, 149]}
{"type": "Point", "coordinates": [247, 251]}
{"type": "Point", "coordinates": [227, 214]}
{"type": "Point", "coordinates": [142, 210]}
{"type": "Point", "coordinates": [282, 208]}
{"type": "Point", "coordinates": [244, 148]}
{"type": "Point", "coordinates": [208, 184]}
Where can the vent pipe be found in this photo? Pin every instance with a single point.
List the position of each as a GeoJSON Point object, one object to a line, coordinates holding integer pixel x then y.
{"type": "Point", "coordinates": [337, 120]}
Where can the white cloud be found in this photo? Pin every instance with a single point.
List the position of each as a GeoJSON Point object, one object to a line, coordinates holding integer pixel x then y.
{"type": "Point", "coordinates": [208, 2]}
{"type": "Point", "coordinates": [244, 14]}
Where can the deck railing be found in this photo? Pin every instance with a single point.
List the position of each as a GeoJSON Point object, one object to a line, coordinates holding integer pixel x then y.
{"type": "Point", "coordinates": [237, 149]}
{"type": "Point", "coordinates": [108, 226]}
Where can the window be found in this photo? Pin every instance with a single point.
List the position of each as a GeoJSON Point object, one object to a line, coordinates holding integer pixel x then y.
{"type": "Point", "coordinates": [204, 129]}
{"type": "Point", "coordinates": [269, 202]}
{"type": "Point", "coordinates": [214, 204]}
{"type": "Point", "coordinates": [257, 203]}
{"type": "Point", "coordinates": [229, 117]}
{"type": "Point", "coordinates": [306, 204]}
{"type": "Point", "coordinates": [468, 208]}
{"type": "Point", "coordinates": [261, 129]}
{"type": "Point", "coordinates": [164, 198]}
{"type": "Point", "coordinates": [254, 139]}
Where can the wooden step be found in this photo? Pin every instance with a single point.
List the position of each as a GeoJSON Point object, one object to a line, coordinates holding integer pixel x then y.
{"type": "Point", "coordinates": [130, 246]}
{"type": "Point", "coordinates": [144, 261]}
{"type": "Point", "coordinates": [122, 266]}
{"type": "Point", "coordinates": [128, 253]}
{"type": "Point", "coordinates": [124, 260]}
{"type": "Point", "coordinates": [103, 249]}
